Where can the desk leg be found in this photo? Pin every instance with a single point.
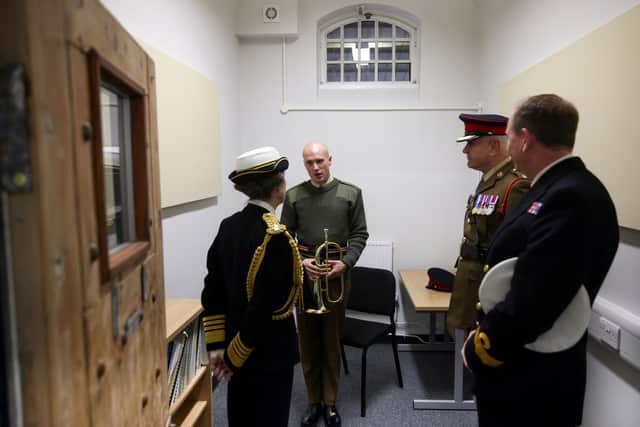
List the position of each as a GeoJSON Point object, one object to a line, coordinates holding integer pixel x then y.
{"type": "Point", "coordinates": [457, 404]}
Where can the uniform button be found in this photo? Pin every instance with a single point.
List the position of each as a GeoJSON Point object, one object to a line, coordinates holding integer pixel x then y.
{"type": "Point", "coordinates": [468, 220]}
{"type": "Point", "coordinates": [500, 174]}
{"type": "Point", "coordinates": [477, 323]}
{"type": "Point", "coordinates": [464, 239]}
{"type": "Point", "coordinates": [486, 268]}
{"type": "Point", "coordinates": [478, 306]}
{"type": "Point", "coordinates": [460, 258]}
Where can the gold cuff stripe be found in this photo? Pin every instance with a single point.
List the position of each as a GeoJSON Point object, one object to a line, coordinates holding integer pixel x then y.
{"type": "Point", "coordinates": [214, 336]}
{"type": "Point", "coordinates": [213, 317]}
{"type": "Point", "coordinates": [482, 344]}
{"type": "Point", "coordinates": [214, 322]}
{"type": "Point", "coordinates": [206, 329]}
{"type": "Point", "coordinates": [238, 352]}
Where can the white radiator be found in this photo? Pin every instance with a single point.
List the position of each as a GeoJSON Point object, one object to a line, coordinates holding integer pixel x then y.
{"type": "Point", "coordinates": [377, 254]}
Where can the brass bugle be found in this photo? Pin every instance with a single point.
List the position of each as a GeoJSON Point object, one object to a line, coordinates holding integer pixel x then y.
{"type": "Point", "coordinates": [321, 283]}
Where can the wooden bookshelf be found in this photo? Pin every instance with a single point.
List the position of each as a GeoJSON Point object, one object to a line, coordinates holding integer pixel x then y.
{"type": "Point", "coordinates": [180, 313]}
{"type": "Point", "coordinates": [192, 408]}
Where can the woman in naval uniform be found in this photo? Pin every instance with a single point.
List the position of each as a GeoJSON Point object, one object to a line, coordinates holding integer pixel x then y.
{"type": "Point", "coordinates": [253, 281]}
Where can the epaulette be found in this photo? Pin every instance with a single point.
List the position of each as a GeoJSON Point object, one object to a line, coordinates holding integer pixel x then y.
{"type": "Point", "coordinates": [273, 225]}
{"type": "Point", "coordinates": [517, 173]}
{"type": "Point", "coordinates": [348, 184]}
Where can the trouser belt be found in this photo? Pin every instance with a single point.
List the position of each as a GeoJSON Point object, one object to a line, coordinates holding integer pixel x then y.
{"type": "Point", "coordinates": [311, 250]}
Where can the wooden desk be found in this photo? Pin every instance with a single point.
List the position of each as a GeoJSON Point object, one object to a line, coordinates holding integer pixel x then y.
{"type": "Point", "coordinates": [423, 299]}
{"type": "Point", "coordinates": [428, 300]}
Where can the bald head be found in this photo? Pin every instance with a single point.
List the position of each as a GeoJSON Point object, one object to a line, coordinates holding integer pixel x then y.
{"type": "Point", "coordinates": [317, 161]}
{"type": "Point", "coordinates": [315, 147]}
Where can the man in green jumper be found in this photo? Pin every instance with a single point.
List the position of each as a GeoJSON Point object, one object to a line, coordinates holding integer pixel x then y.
{"type": "Point", "coordinates": [324, 202]}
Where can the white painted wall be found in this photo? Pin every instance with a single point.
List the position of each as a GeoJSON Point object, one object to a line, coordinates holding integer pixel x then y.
{"type": "Point", "coordinates": [200, 34]}
{"type": "Point", "coordinates": [413, 175]}
{"type": "Point", "coordinates": [516, 35]}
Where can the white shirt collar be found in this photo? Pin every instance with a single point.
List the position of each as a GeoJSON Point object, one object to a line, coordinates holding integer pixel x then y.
{"type": "Point", "coordinates": [262, 204]}
{"type": "Point", "coordinates": [550, 165]}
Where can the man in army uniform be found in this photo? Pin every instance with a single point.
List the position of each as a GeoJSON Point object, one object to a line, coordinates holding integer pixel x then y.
{"type": "Point", "coordinates": [324, 202]}
{"type": "Point", "coordinates": [499, 190]}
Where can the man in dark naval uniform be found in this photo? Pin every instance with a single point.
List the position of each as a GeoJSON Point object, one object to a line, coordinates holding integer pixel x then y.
{"type": "Point", "coordinates": [564, 234]}
{"type": "Point", "coordinates": [499, 190]}
{"type": "Point", "coordinates": [324, 202]}
{"type": "Point", "coordinates": [253, 280]}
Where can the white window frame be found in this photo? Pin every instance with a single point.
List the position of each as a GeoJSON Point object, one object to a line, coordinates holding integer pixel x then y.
{"type": "Point", "coordinates": [413, 53]}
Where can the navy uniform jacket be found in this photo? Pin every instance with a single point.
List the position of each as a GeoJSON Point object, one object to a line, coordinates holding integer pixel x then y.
{"type": "Point", "coordinates": [246, 329]}
{"type": "Point", "coordinates": [565, 234]}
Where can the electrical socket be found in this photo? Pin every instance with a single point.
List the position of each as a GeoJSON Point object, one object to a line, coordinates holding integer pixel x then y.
{"type": "Point", "coordinates": [609, 333]}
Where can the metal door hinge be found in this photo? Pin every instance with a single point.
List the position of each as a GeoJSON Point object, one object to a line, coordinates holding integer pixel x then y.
{"type": "Point", "coordinates": [15, 161]}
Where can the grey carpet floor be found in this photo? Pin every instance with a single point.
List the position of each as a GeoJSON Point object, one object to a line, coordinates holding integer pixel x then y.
{"type": "Point", "coordinates": [425, 374]}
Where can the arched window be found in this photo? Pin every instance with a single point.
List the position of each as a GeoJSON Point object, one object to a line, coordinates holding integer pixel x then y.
{"type": "Point", "coordinates": [368, 49]}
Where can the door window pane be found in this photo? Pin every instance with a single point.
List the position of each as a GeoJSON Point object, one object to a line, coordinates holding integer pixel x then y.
{"type": "Point", "coordinates": [116, 154]}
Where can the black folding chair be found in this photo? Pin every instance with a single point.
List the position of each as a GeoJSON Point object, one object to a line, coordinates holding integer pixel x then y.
{"type": "Point", "coordinates": [373, 291]}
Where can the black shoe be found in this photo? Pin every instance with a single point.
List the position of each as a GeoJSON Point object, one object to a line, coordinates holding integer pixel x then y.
{"type": "Point", "coordinates": [331, 417]}
{"type": "Point", "coordinates": [311, 415]}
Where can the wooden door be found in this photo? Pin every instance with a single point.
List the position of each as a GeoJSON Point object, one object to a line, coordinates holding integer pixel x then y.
{"type": "Point", "coordinates": [86, 242]}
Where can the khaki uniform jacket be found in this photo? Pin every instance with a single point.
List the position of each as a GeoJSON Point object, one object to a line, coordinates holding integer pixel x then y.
{"type": "Point", "coordinates": [486, 208]}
